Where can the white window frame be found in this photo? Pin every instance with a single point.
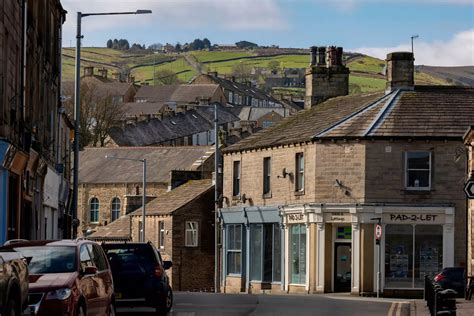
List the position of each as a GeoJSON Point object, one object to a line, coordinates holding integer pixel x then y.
{"type": "Point", "coordinates": [193, 230]}
{"type": "Point", "coordinates": [299, 173]}
{"type": "Point", "coordinates": [428, 188]}
{"type": "Point", "coordinates": [267, 176]}
{"type": "Point", "coordinates": [236, 177]}
{"type": "Point", "coordinates": [234, 250]}
{"type": "Point", "coordinates": [98, 210]}
{"type": "Point", "coordinates": [161, 234]}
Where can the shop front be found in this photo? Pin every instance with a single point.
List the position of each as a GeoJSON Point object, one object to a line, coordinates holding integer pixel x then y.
{"type": "Point", "coordinates": [252, 250]}
{"type": "Point", "coordinates": [49, 221]}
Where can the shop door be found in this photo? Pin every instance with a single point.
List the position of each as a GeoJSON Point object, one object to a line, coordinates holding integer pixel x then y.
{"type": "Point", "coordinates": [342, 267]}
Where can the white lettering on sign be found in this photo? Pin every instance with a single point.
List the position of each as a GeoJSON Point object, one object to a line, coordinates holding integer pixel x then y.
{"type": "Point", "coordinates": [295, 217]}
{"type": "Point", "coordinates": [337, 217]}
{"type": "Point", "coordinates": [413, 218]}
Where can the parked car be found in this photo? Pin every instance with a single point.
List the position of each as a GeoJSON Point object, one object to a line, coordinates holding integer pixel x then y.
{"type": "Point", "coordinates": [452, 278]}
{"type": "Point", "coordinates": [139, 275]}
{"type": "Point", "coordinates": [67, 277]}
{"type": "Point", "coordinates": [13, 283]}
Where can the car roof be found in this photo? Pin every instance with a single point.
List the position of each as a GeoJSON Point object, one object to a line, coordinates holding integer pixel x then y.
{"type": "Point", "coordinates": [54, 243]}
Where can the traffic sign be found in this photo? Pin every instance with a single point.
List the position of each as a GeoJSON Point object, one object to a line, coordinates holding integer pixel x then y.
{"type": "Point", "coordinates": [469, 189]}
{"type": "Point", "coordinates": [378, 231]}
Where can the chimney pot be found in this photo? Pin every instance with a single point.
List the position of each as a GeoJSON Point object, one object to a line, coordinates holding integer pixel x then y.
{"type": "Point", "coordinates": [313, 54]}
{"type": "Point", "coordinates": [321, 56]}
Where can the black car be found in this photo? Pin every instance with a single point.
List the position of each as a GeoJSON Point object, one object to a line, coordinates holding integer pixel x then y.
{"type": "Point", "coordinates": [452, 278]}
{"type": "Point", "coordinates": [139, 275]}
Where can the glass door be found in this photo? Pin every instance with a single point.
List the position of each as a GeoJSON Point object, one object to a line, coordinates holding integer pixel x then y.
{"type": "Point", "coordinates": [342, 267]}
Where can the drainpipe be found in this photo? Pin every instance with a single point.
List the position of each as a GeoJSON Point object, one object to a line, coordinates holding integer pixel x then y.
{"type": "Point", "coordinates": [23, 60]}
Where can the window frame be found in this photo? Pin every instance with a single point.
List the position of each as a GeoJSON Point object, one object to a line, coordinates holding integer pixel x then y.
{"type": "Point", "coordinates": [236, 178]}
{"type": "Point", "coordinates": [430, 170]}
{"type": "Point", "coordinates": [275, 256]}
{"type": "Point", "coordinates": [161, 234]}
{"type": "Point", "coordinates": [191, 230]}
{"type": "Point", "coordinates": [267, 177]}
{"type": "Point", "coordinates": [112, 209]}
{"type": "Point", "coordinates": [234, 250]}
{"type": "Point", "coordinates": [299, 173]}
{"type": "Point", "coordinates": [95, 210]}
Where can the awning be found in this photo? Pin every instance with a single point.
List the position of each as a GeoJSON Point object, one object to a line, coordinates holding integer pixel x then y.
{"type": "Point", "coordinates": [250, 215]}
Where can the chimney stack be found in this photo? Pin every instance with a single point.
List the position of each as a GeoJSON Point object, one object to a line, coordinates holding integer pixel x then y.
{"type": "Point", "coordinates": [400, 71]}
{"type": "Point", "coordinates": [88, 71]}
{"type": "Point", "coordinates": [103, 72]}
{"type": "Point", "coordinates": [313, 54]}
{"type": "Point", "coordinates": [212, 73]}
{"type": "Point", "coordinates": [328, 78]}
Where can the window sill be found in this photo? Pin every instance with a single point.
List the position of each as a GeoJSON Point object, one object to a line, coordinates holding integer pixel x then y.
{"type": "Point", "coordinates": [417, 191]}
{"type": "Point", "coordinates": [267, 196]}
{"type": "Point", "coordinates": [235, 197]}
{"type": "Point", "coordinates": [298, 193]}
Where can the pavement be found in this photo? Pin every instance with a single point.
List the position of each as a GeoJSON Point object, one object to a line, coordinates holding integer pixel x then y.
{"type": "Point", "coordinates": [463, 308]}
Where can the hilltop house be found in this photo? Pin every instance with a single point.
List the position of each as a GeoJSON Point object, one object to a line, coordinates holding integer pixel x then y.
{"type": "Point", "coordinates": [180, 223]}
{"type": "Point", "coordinates": [301, 198]}
{"type": "Point", "coordinates": [288, 77]}
{"type": "Point", "coordinates": [110, 188]}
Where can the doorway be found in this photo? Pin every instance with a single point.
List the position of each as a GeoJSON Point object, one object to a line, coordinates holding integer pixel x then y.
{"type": "Point", "coordinates": [342, 267]}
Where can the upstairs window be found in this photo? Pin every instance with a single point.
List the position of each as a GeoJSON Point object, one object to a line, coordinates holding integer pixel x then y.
{"type": "Point", "coordinates": [299, 183]}
{"type": "Point", "coordinates": [267, 175]}
{"type": "Point", "coordinates": [161, 235]}
{"type": "Point", "coordinates": [115, 208]}
{"type": "Point", "coordinates": [236, 179]}
{"type": "Point", "coordinates": [191, 239]}
{"type": "Point", "coordinates": [94, 210]}
{"type": "Point", "coordinates": [418, 170]}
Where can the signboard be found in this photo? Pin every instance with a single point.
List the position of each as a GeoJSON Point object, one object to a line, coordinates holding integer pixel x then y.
{"type": "Point", "coordinates": [295, 218]}
{"type": "Point", "coordinates": [420, 218]}
{"type": "Point", "coordinates": [378, 231]}
{"type": "Point", "coordinates": [469, 189]}
{"type": "Point", "coordinates": [337, 217]}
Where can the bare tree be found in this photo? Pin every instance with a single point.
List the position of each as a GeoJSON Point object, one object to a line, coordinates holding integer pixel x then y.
{"type": "Point", "coordinates": [165, 77]}
{"type": "Point", "coordinates": [100, 111]}
{"type": "Point", "coordinates": [242, 71]}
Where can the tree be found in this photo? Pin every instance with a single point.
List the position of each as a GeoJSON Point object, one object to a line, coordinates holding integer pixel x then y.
{"type": "Point", "coordinates": [207, 43]}
{"type": "Point", "coordinates": [100, 111]}
{"type": "Point", "coordinates": [178, 47]}
{"type": "Point", "coordinates": [242, 71]}
{"type": "Point", "coordinates": [274, 66]}
{"type": "Point", "coordinates": [246, 45]}
{"type": "Point", "coordinates": [155, 46]}
{"type": "Point", "coordinates": [110, 43]}
{"type": "Point", "coordinates": [115, 44]}
{"type": "Point", "coordinates": [197, 44]}
{"type": "Point", "coordinates": [166, 77]}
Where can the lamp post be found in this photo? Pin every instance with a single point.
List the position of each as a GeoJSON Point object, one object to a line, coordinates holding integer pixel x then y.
{"type": "Point", "coordinates": [77, 110]}
{"type": "Point", "coordinates": [377, 242]}
{"type": "Point", "coordinates": [412, 38]}
{"type": "Point", "coordinates": [142, 233]}
{"type": "Point", "coordinates": [216, 200]}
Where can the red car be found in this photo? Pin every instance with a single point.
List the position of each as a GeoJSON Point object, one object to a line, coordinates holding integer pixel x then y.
{"type": "Point", "coordinates": [68, 277]}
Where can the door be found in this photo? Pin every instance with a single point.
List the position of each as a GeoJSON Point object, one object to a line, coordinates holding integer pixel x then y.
{"type": "Point", "coordinates": [342, 267]}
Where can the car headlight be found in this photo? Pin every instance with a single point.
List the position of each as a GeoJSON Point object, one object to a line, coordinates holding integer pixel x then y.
{"type": "Point", "coordinates": [59, 294]}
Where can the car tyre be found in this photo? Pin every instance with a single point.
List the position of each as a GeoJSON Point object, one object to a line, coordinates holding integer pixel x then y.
{"type": "Point", "coordinates": [169, 300]}
{"type": "Point", "coordinates": [11, 308]}
{"type": "Point", "coordinates": [165, 304]}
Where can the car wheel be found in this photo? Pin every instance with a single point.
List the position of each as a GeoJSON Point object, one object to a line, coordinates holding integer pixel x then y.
{"type": "Point", "coordinates": [111, 309]}
{"type": "Point", "coordinates": [165, 304]}
{"type": "Point", "coordinates": [169, 300]}
{"type": "Point", "coordinates": [11, 308]}
{"type": "Point", "coordinates": [81, 311]}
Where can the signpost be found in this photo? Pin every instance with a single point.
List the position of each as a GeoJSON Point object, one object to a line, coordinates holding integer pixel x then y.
{"type": "Point", "coordinates": [469, 189]}
{"type": "Point", "coordinates": [378, 237]}
{"type": "Point", "coordinates": [378, 232]}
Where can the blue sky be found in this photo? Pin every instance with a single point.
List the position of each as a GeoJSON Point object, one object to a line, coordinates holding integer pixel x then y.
{"type": "Point", "coordinates": [375, 27]}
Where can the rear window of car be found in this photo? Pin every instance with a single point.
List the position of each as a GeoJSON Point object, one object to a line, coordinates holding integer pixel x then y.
{"type": "Point", "coordinates": [137, 254]}
{"type": "Point", "coordinates": [454, 272]}
{"type": "Point", "coordinates": [49, 259]}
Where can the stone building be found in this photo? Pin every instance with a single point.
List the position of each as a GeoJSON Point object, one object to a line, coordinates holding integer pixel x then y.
{"type": "Point", "coordinates": [469, 142]}
{"type": "Point", "coordinates": [34, 182]}
{"type": "Point", "coordinates": [180, 224]}
{"type": "Point", "coordinates": [110, 188]}
{"type": "Point", "coordinates": [301, 198]}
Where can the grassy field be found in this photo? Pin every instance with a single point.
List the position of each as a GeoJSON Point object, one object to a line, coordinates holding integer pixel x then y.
{"type": "Point", "coordinates": [367, 64]}
{"type": "Point", "coordinates": [180, 66]}
{"type": "Point", "coordinates": [362, 84]}
{"type": "Point", "coordinates": [206, 56]}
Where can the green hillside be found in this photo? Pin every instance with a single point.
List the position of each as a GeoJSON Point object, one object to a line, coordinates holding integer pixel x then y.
{"type": "Point", "coordinates": [366, 72]}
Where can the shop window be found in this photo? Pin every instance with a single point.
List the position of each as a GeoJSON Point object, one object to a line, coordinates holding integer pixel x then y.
{"type": "Point", "coordinates": [191, 239]}
{"type": "Point", "coordinates": [115, 209]}
{"type": "Point", "coordinates": [265, 253]}
{"type": "Point", "coordinates": [299, 183]}
{"type": "Point", "coordinates": [94, 210]}
{"type": "Point", "coordinates": [298, 253]}
{"type": "Point", "coordinates": [267, 175]}
{"type": "Point", "coordinates": [418, 170]}
{"type": "Point", "coordinates": [234, 248]}
{"type": "Point", "coordinates": [236, 179]}
{"type": "Point", "coordinates": [344, 232]}
{"type": "Point", "coordinates": [411, 251]}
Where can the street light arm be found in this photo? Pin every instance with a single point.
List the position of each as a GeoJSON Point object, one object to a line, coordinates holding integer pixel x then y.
{"type": "Point", "coordinates": [117, 13]}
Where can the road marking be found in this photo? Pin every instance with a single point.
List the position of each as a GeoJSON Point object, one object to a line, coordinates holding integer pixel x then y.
{"type": "Point", "coordinates": [399, 309]}
{"type": "Point", "coordinates": [392, 308]}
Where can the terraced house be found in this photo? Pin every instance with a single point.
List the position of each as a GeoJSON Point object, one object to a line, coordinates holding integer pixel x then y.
{"type": "Point", "coordinates": [302, 198]}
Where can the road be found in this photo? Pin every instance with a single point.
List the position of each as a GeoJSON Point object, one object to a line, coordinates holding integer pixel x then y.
{"type": "Point", "coordinates": [197, 304]}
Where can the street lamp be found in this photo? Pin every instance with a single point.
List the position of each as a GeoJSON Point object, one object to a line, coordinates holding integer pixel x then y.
{"type": "Point", "coordinates": [377, 242]}
{"type": "Point", "coordinates": [142, 233]}
{"type": "Point", "coordinates": [77, 111]}
{"type": "Point", "coordinates": [412, 38]}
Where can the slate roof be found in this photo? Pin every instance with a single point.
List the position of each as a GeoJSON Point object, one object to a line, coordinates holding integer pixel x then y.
{"type": "Point", "coordinates": [426, 112]}
{"type": "Point", "coordinates": [142, 108]}
{"type": "Point", "coordinates": [95, 168]}
{"type": "Point", "coordinates": [118, 229]}
{"type": "Point", "coordinates": [173, 200]}
{"type": "Point", "coordinates": [182, 93]}
{"type": "Point", "coordinates": [156, 131]}
{"type": "Point", "coordinates": [302, 126]}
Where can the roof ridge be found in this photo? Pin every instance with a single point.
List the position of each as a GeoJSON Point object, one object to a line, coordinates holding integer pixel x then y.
{"type": "Point", "coordinates": [386, 109]}
{"type": "Point", "coordinates": [351, 116]}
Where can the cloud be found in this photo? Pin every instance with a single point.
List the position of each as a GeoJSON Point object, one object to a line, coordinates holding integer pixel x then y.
{"type": "Point", "coordinates": [234, 15]}
{"type": "Point", "coordinates": [457, 51]}
{"type": "Point", "coordinates": [349, 5]}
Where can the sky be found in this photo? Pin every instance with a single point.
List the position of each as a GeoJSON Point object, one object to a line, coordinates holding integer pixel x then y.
{"type": "Point", "coordinates": [373, 27]}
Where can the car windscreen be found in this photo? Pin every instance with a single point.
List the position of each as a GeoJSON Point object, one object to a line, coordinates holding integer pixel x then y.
{"type": "Point", "coordinates": [131, 255]}
{"type": "Point", "coordinates": [49, 259]}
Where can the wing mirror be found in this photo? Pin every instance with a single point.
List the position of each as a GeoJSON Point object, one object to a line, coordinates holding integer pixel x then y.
{"type": "Point", "coordinates": [90, 270]}
{"type": "Point", "coordinates": [167, 264]}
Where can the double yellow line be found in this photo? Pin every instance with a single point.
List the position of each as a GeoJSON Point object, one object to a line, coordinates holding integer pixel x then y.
{"type": "Point", "coordinates": [396, 308]}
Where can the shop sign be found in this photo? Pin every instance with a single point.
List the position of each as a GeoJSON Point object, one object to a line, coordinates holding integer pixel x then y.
{"type": "Point", "coordinates": [337, 217]}
{"type": "Point", "coordinates": [51, 188]}
{"type": "Point", "coordinates": [413, 218]}
{"type": "Point", "coordinates": [295, 218]}
{"type": "Point", "coordinates": [378, 231]}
